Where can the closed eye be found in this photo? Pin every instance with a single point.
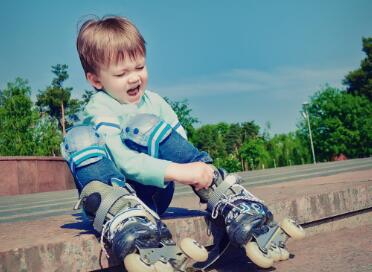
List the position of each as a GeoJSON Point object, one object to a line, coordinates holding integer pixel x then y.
{"type": "Point", "coordinates": [121, 74]}
{"type": "Point", "coordinates": [140, 68]}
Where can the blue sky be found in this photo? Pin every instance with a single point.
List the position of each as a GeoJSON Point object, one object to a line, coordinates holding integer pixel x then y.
{"type": "Point", "coordinates": [234, 61]}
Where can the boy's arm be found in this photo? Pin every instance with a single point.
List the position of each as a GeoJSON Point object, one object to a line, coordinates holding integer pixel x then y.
{"type": "Point", "coordinates": [152, 171]}
{"type": "Point", "coordinates": [197, 174]}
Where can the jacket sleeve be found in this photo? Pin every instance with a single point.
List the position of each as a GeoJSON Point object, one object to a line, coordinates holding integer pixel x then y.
{"type": "Point", "coordinates": [169, 116]}
{"type": "Point", "coordinates": [136, 166]}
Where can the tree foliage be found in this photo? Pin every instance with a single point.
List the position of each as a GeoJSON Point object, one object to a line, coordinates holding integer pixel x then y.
{"type": "Point", "coordinates": [288, 149]}
{"type": "Point", "coordinates": [48, 136]}
{"type": "Point", "coordinates": [17, 119]}
{"type": "Point", "coordinates": [254, 152]}
{"type": "Point", "coordinates": [224, 141]}
{"type": "Point", "coordinates": [340, 123]}
{"type": "Point", "coordinates": [359, 81]}
{"type": "Point", "coordinates": [22, 129]}
{"type": "Point", "coordinates": [211, 138]}
{"type": "Point", "coordinates": [56, 100]}
{"type": "Point", "coordinates": [230, 163]}
{"type": "Point", "coordinates": [86, 96]}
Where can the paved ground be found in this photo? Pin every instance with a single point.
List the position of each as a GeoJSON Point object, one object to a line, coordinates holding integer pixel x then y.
{"type": "Point", "coordinates": [346, 250]}
{"type": "Point", "coordinates": [343, 250]}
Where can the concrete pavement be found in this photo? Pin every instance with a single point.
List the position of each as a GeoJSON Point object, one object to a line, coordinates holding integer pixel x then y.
{"type": "Point", "coordinates": [346, 250]}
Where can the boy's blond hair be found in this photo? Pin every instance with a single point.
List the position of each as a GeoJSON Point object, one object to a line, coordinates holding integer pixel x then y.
{"type": "Point", "coordinates": [101, 42]}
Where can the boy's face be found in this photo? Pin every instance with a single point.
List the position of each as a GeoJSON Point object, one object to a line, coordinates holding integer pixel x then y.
{"type": "Point", "coordinates": [125, 81]}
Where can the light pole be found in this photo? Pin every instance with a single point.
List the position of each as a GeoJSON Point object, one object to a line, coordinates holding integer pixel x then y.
{"type": "Point", "coordinates": [305, 114]}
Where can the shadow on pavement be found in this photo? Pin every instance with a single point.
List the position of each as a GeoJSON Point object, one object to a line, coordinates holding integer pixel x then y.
{"type": "Point", "coordinates": [174, 212]}
{"type": "Point", "coordinates": [235, 260]}
{"type": "Point", "coordinates": [82, 223]}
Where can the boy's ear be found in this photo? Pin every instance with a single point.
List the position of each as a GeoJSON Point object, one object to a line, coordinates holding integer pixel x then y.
{"type": "Point", "coordinates": [94, 81]}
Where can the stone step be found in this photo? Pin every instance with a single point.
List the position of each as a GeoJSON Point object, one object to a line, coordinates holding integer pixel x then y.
{"type": "Point", "coordinates": [35, 206]}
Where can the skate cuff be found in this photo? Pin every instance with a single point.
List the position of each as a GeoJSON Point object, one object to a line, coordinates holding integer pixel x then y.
{"type": "Point", "coordinates": [106, 205]}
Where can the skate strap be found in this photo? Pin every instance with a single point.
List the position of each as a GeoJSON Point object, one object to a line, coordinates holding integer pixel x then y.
{"type": "Point", "coordinates": [134, 212]}
{"type": "Point", "coordinates": [220, 190]}
{"type": "Point", "coordinates": [105, 206]}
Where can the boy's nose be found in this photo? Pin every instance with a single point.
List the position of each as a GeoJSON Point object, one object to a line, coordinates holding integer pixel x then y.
{"type": "Point", "coordinates": [134, 78]}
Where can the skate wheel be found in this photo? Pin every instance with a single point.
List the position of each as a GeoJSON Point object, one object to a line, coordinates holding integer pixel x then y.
{"type": "Point", "coordinates": [133, 263]}
{"type": "Point", "coordinates": [163, 267]}
{"type": "Point", "coordinates": [257, 256]}
{"type": "Point", "coordinates": [284, 254]}
{"type": "Point", "coordinates": [194, 250]}
{"type": "Point", "coordinates": [292, 228]}
{"type": "Point", "coordinates": [275, 253]}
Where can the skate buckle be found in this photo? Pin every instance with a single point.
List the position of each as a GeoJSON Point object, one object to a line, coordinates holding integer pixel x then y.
{"type": "Point", "coordinates": [273, 236]}
{"type": "Point", "coordinates": [164, 253]}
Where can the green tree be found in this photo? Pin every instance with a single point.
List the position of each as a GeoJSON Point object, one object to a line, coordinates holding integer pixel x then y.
{"type": "Point", "coordinates": [359, 81]}
{"type": "Point", "coordinates": [56, 100]}
{"type": "Point", "coordinates": [22, 130]}
{"type": "Point", "coordinates": [47, 136]}
{"type": "Point", "coordinates": [233, 139]}
{"type": "Point", "coordinates": [340, 123]}
{"type": "Point", "coordinates": [17, 119]}
{"type": "Point", "coordinates": [249, 130]}
{"type": "Point", "coordinates": [288, 149]}
{"type": "Point", "coordinates": [255, 153]}
{"type": "Point", "coordinates": [223, 142]}
{"type": "Point", "coordinates": [210, 138]}
{"type": "Point", "coordinates": [230, 163]}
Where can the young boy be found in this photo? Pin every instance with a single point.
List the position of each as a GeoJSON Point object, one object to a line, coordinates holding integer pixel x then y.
{"type": "Point", "coordinates": [137, 139]}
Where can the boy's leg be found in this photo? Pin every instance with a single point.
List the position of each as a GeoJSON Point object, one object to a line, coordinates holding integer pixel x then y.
{"type": "Point", "coordinates": [158, 199]}
{"type": "Point", "coordinates": [173, 148]}
{"type": "Point", "coordinates": [88, 159]}
{"type": "Point", "coordinates": [134, 233]}
{"type": "Point", "coordinates": [126, 224]}
{"type": "Point", "coordinates": [82, 147]}
{"type": "Point", "coordinates": [103, 170]}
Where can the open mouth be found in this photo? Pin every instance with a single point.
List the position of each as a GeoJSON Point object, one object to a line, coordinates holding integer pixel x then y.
{"type": "Point", "coordinates": [134, 91]}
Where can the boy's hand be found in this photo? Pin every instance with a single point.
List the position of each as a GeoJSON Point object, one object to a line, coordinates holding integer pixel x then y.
{"type": "Point", "coordinates": [198, 174]}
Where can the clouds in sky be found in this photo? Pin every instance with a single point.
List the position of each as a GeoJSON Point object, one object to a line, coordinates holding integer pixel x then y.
{"type": "Point", "coordinates": [282, 82]}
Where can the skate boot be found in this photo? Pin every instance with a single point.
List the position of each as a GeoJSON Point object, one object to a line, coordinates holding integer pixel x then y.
{"type": "Point", "coordinates": [133, 233]}
{"type": "Point", "coordinates": [248, 222]}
